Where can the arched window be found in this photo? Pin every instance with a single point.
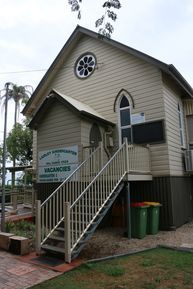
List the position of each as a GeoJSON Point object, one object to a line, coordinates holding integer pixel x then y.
{"type": "Point", "coordinates": [125, 119]}
{"type": "Point", "coordinates": [95, 135]}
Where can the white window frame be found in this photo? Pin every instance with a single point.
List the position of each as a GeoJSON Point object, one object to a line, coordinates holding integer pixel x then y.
{"type": "Point", "coordinates": [181, 125]}
{"type": "Point", "coordinates": [119, 117]}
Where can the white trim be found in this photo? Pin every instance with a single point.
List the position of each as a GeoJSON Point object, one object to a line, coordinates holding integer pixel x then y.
{"type": "Point", "coordinates": [119, 115]}
{"type": "Point", "coordinates": [181, 125]}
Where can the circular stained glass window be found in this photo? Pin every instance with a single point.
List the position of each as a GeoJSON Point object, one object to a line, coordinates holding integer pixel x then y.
{"type": "Point", "coordinates": [85, 65]}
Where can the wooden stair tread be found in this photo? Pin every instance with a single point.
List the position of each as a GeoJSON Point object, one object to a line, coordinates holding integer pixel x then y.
{"type": "Point", "coordinates": [56, 238]}
{"type": "Point", "coordinates": [52, 248]}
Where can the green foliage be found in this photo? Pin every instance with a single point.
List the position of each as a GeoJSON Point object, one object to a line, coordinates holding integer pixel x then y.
{"type": "Point", "coordinates": [19, 94]}
{"type": "Point", "coordinates": [21, 228]}
{"type": "Point", "coordinates": [19, 144]}
{"type": "Point", "coordinates": [107, 28]}
{"type": "Point", "coordinates": [9, 226]}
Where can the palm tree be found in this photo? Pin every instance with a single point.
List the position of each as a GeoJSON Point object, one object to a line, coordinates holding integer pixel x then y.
{"type": "Point", "coordinates": [20, 95]}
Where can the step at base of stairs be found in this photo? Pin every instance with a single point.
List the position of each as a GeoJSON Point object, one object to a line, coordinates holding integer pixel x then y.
{"type": "Point", "coordinates": [52, 249]}
{"type": "Point", "coordinates": [56, 238]}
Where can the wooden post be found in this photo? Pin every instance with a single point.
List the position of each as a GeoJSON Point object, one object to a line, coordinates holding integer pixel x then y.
{"type": "Point", "coordinates": [128, 210]}
{"type": "Point", "coordinates": [128, 201]}
{"type": "Point", "coordinates": [14, 201]}
{"type": "Point", "coordinates": [33, 201]}
{"type": "Point", "coordinates": [67, 232]}
{"type": "Point", "coordinates": [38, 226]}
{"type": "Point", "coordinates": [126, 156]}
{"type": "Point", "coordinates": [101, 155]}
{"type": "Point", "coordinates": [149, 156]}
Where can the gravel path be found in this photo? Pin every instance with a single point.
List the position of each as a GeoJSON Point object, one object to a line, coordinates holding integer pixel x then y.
{"type": "Point", "coordinates": [111, 241]}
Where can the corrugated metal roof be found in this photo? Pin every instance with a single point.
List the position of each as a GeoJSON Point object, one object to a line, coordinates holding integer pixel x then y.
{"type": "Point", "coordinates": [73, 104]}
{"type": "Point", "coordinates": [82, 107]}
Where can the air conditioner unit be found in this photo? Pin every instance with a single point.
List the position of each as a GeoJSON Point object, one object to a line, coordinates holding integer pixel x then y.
{"type": "Point", "coordinates": [188, 156]}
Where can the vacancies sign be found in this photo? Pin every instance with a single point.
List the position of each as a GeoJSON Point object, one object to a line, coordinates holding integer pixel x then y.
{"type": "Point", "coordinates": [57, 164]}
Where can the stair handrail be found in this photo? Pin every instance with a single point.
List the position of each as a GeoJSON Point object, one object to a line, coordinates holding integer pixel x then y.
{"type": "Point", "coordinates": [105, 183]}
{"type": "Point", "coordinates": [73, 173]}
{"type": "Point", "coordinates": [47, 216]}
{"type": "Point", "coordinates": [96, 177]}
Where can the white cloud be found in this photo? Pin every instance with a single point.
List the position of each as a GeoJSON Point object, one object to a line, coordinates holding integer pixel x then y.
{"type": "Point", "coordinates": [32, 32]}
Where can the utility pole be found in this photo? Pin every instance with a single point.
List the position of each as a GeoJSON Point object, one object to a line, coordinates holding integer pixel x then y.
{"type": "Point", "coordinates": [4, 159]}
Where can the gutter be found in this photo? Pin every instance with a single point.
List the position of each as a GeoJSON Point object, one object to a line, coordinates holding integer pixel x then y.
{"type": "Point", "coordinates": [180, 79]}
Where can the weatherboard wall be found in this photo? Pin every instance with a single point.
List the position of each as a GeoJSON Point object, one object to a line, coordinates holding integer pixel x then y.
{"type": "Point", "coordinates": [171, 100]}
{"type": "Point", "coordinates": [117, 70]}
{"type": "Point", "coordinates": [34, 149]}
{"type": "Point", "coordinates": [59, 128]}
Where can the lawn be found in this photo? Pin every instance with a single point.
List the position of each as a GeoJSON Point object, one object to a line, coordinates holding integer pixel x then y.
{"type": "Point", "coordinates": [153, 269]}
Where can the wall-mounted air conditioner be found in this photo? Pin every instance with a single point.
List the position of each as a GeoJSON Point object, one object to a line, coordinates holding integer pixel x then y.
{"type": "Point", "coordinates": [188, 156]}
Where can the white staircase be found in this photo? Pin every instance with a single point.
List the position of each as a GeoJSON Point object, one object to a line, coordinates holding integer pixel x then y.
{"type": "Point", "coordinates": [68, 218]}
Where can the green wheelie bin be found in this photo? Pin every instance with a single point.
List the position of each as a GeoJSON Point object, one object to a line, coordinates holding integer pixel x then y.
{"type": "Point", "coordinates": [138, 220]}
{"type": "Point", "coordinates": [153, 217]}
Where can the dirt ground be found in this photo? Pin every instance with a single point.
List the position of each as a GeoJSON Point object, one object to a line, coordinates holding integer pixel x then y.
{"type": "Point", "coordinates": [111, 241]}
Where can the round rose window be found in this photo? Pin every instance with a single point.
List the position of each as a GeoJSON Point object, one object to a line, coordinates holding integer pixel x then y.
{"type": "Point", "coordinates": [85, 65]}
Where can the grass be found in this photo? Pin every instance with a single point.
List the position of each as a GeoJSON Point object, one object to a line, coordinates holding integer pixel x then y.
{"type": "Point", "coordinates": [154, 269]}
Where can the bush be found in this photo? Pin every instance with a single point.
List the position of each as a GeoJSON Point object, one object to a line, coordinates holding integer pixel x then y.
{"type": "Point", "coordinates": [21, 228]}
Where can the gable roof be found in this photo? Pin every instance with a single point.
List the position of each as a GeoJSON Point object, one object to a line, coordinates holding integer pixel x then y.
{"type": "Point", "coordinates": [69, 102]}
{"type": "Point", "coordinates": [169, 69]}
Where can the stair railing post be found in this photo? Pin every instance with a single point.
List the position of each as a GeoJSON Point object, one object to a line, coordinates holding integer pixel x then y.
{"type": "Point", "coordinates": [149, 156]}
{"type": "Point", "coordinates": [38, 226]}
{"type": "Point", "coordinates": [128, 210]}
{"type": "Point", "coordinates": [67, 232]}
{"type": "Point", "coordinates": [101, 155]}
{"type": "Point", "coordinates": [126, 157]}
{"type": "Point", "coordinates": [128, 198]}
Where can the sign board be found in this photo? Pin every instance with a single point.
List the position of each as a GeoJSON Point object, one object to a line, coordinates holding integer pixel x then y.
{"type": "Point", "coordinates": [138, 118]}
{"type": "Point", "coordinates": [149, 132]}
{"type": "Point", "coordinates": [57, 164]}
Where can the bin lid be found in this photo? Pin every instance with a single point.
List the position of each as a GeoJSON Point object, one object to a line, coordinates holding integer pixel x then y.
{"type": "Point", "coordinates": [155, 204]}
{"type": "Point", "coordinates": [139, 205]}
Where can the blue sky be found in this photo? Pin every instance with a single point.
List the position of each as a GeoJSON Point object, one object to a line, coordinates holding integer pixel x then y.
{"type": "Point", "coordinates": [32, 32]}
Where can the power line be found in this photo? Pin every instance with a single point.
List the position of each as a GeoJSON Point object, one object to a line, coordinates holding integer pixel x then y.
{"type": "Point", "coordinates": [37, 70]}
{"type": "Point", "coordinates": [23, 71]}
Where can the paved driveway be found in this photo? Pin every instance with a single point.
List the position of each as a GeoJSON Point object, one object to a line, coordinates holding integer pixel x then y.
{"type": "Point", "coordinates": [16, 274]}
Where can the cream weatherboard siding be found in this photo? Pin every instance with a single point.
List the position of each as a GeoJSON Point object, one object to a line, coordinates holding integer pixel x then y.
{"type": "Point", "coordinates": [171, 100]}
{"type": "Point", "coordinates": [159, 159]}
{"type": "Point", "coordinates": [188, 109]}
{"type": "Point", "coordinates": [85, 129]}
{"type": "Point", "coordinates": [34, 149]}
{"type": "Point", "coordinates": [116, 70]}
{"type": "Point", "coordinates": [59, 128]}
